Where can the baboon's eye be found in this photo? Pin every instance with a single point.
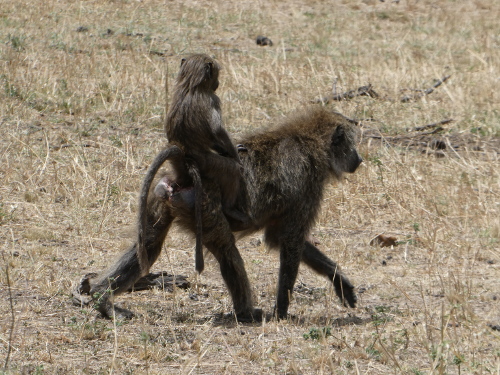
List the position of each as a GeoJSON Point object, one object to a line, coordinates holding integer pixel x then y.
{"type": "Point", "coordinates": [338, 136]}
{"type": "Point", "coordinates": [208, 69]}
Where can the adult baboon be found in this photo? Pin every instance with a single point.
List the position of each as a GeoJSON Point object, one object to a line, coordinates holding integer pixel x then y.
{"type": "Point", "coordinates": [194, 124]}
{"type": "Point", "coordinates": [285, 171]}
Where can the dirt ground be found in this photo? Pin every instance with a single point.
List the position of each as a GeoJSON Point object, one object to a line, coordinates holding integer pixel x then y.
{"type": "Point", "coordinates": [82, 103]}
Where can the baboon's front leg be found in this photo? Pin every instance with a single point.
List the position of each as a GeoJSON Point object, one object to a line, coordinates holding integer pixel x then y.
{"type": "Point", "coordinates": [290, 255]}
{"type": "Point", "coordinates": [323, 265]}
{"type": "Point", "coordinates": [126, 271]}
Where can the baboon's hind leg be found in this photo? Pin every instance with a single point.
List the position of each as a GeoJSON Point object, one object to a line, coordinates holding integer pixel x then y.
{"type": "Point", "coordinates": [219, 240]}
{"type": "Point", "coordinates": [115, 280]}
{"type": "Point", "coordinates": [233, 271]}
{"type": "Point", "coordinates": [126, 271]}
{"type": "Point", "coordinates": [323, 265]}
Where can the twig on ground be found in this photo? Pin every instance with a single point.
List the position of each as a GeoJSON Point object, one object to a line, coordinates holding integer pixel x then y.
{"type": "Point", "coordinates": [11, 328]}
{"type": "Point", "coordinates": [430, 126]}
{"type": "Point", "coordinates": [403, 137]}
{"type": "Point", "coordinates": [161, 280]}
{"type": "Point", "coordinates": [422, 93]}
{"type": "Point", "coordinates": [360, 91]}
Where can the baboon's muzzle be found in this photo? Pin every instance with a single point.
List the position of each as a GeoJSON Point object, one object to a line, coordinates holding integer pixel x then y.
{"type": "Point", "coordinates": [355, 161]}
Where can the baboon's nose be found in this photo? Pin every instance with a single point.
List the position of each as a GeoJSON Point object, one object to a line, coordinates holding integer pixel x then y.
{"type": "Point", "coordinates": [355, 164]}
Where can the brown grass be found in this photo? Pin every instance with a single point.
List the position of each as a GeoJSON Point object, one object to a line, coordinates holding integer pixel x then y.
{"type": "Point", "coordinates": [81, 117]}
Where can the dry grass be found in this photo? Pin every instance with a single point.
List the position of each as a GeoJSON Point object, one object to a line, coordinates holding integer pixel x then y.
{"type": "Point", "coordinates": [81, 118]}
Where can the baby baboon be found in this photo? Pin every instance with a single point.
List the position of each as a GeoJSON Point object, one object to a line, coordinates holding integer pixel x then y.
{"type": "Point", "coordinates": [194, 124]}
{"type": "Point", "coordinates": [287, 169]}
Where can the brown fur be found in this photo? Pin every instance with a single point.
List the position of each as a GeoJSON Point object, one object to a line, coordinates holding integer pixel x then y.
{"type": "Point", "coordinates": [287, 169]}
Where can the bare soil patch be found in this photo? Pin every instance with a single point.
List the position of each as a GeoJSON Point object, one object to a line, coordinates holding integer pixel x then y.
{"type": "Point", "coordinates": [82, 100]}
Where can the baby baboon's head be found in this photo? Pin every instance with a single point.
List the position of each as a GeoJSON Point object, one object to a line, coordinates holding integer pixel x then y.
{"type": "Point", "coordinates": [198, 71]}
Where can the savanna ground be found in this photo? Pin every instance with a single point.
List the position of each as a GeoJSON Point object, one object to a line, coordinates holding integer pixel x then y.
{"type": "Point", "coordinates": [82, 101]}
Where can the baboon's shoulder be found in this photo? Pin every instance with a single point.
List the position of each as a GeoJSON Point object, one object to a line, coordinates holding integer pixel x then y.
{"type": "Point", "coordinates": [312, 123]}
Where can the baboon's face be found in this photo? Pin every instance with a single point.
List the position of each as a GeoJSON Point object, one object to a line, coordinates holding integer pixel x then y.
{"type": "Point", "coordinates": [179, 196]}
{"type": "Point", "coordinates": [344, 155]}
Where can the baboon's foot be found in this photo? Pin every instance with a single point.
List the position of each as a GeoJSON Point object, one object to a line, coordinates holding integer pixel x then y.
{"type": "Point", "coordinates": [81, 293]}
{"type": "Point", "coordinates": [345, 291]}
{"type": "Point", "coordinates": [111, 311]}
{"type": "Point", "coordinates": [82, 297]}
{"type": "Point", "coordinates": [253, 316]}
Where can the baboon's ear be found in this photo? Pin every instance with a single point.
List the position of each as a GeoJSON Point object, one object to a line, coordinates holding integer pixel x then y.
{"type": "Point", "coordinates": [338, 136]}
{"type": "Point", "coordinates": [183, 60]}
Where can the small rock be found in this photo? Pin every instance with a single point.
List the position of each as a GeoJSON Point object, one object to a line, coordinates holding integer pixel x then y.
{"type": "Point", "coordinates": [437, 144]}
{"type": "Point", "coordinates": [264, 41]}
{"type": "Point", "coordinates": [495, 327]}
{"type": "Point", "coordinates": [255, 242]}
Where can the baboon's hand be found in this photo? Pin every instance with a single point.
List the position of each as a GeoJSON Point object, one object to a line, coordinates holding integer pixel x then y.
{"type": "Point", "coordinates": [345, 291]}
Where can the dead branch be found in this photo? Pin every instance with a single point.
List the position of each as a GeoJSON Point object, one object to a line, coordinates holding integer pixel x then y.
{"type": "Point", "coordinates": [360, 91]}
{"type": "Point", "coordinates": [405, 137]}
{"type": "Point", "coordinates": [434, 125]}
{"type": "Point", "coordinates": [13, 316]}
{"type": "Point", "coordinates": [161, 280]}
{"type": "Point", "coordinates": [423, 93]}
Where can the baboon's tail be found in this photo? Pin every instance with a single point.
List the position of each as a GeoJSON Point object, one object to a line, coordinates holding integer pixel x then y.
{"type": "Point", "coordinates": [142, 254]}
{"type": "Point", "coordinates": [198, 191]}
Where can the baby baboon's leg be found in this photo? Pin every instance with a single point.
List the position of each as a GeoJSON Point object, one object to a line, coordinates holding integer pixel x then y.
{"type": "Point", "coordinates": [126, 271]}
{"type": "Point", "coordinates": [323, 265]}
